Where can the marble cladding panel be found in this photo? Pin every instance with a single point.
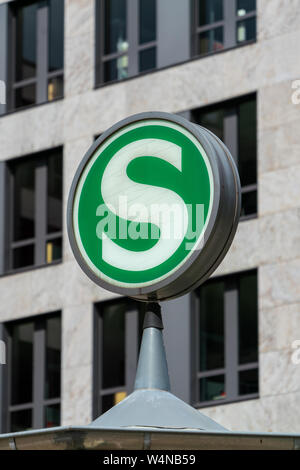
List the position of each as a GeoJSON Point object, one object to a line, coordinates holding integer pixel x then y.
{"type": "Point", "coordinates": [278, 372]}
{"type": "Point", "coordinates": [276, 18]}
{"type": "Point", "coordinates": [47, 289]}
{"type": "Point", "coordinates": [77, 336]}
{"type": "Point", "coordinates": [275, 105]}
{"type": "Point", "coordinates": [79, 46]}
{"type": "Point", "coordinates": [279, 284]}
{"type": "Point", "coordinates": [76, 395]}
{"type": "Point", "coordinates": [279, 328]}
{"type": "Point", "coordinates": [263, 241]}
{"type": "Point", "coordinates": [279, 146]}
{"type": "Point", "coordinates": [279, 413]}
{"type": "Point", "coordinates": [79, 17]}
{"type": "Point", "coordinates": [279, 190]}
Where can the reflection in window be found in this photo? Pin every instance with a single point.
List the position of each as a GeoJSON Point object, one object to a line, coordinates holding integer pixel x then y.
{"type": "Point", "coordinates": [32, 83]}
{"type": "Point", "coordinates": [115, 36]}
{"type": "Point", "coordinates": [113, 351]}
{"type": "Point", "coordinates": [36, 198]}
{"type": "Point", "coordinates": [125, 52]}
{"type": "Point", "coordinates": [56, 35]}
{"type": "Point", "coordinates": [210, 41]}
{"type": "Point", "coordinates": [227, 339]}
{"type": "Point", "coordinates": [22, 363]}
{"type": "Point", "coordinates": [246, 30]}
{"type": "Point", "coordinates": [211, 327]}
{"type": "Point", "coordinates": [147, 23]}
{"type": "Point", "coordinates": [119, 326]}
{"type": "Point", "coordinates": [210, 11]}
{"type": "Point", "coordinates": [214, 21]}
{"type": "Point", "coordinates": [239, 119]}
{"type": "Point", "coordinates": [34, 388]}
{"type": "Point", "coordinates": [212, 388]}
{"type": "Point", "coordinates": [26, 43]}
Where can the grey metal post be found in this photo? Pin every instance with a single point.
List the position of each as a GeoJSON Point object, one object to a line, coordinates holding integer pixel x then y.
{"type": "Point", "coordinates": [152, 370]}
{"type": "Point", "coordinates": [42, 54]}
{"type": "Point", "coordinates": [231, 347]}
{"type": "Point", "coordinates": [173, 32]}
{"type": "Point", "coordinates": [39, 379]}
{"type": "Point", "coordinates": [230, 23]}
{"type": "Point", "coordinates": [132, 35]}
{"type": "Point", "coordinates": [40, 212]}
{"type": "Point", "coordinates": [231, 132]}
{"type": "Point", "coordinates": [3, 56]}
{"type": "Point", "coordinates": [177, 320]}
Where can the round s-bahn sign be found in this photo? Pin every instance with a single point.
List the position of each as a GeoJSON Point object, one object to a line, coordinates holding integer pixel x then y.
{"type": "Point", "coordinates": [153, 207]}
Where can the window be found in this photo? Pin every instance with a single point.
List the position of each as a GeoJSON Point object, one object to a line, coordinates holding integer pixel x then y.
{"type": "Point", "coordinates": [226, 329]}
{"type": "Point", "coordinates": [37, 39]}
{"type": "Point", "coordinates": [126, 38]}
{"type": "Point", "coordinates": [234, 122]}
{"type": "Point", "coordinates": [221, 24]}
{"type": "Point", "coordinates": [118, 330]}
{"type": "Point", "coordinates": [33, 379]}
{"type": "Point", "coordinates": [34, 210]}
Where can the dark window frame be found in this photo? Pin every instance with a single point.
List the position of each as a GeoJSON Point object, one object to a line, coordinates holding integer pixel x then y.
{"type": "Point", "coordinates": [43, 75]}
{"type": "Point", "coordinates": [229, 25]}
{"type": "Point", "coordinates": [132, 343]}
{"type": "Point", "coordinates": [231, 367]}
{"type": "Point", "coordinates": [231, 136]}
{"type": "Point", "coordinates": [41, 237]}
{"type": "Point", "coordinates": [134, 47]}
{"type": "Point", "coordinates": [39, 402]}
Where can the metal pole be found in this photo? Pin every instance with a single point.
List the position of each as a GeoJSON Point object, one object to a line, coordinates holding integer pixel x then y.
{"type": "Point", "coordinates": [152, 369]}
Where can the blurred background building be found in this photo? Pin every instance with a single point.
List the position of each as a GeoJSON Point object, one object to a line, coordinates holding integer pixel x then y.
{"type": "Point", "coordinates": [72, 69]}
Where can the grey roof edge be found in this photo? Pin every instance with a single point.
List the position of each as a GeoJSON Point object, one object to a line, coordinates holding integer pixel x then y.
{"type": "Point", "coordinates": [89, 428]}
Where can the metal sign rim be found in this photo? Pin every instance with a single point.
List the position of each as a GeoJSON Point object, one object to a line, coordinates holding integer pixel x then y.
{"type": "Point", "coordinates": [148, 292]}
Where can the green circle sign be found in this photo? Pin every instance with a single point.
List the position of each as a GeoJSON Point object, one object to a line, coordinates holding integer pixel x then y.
{"type": "Point", "coordinates": [142, 204]}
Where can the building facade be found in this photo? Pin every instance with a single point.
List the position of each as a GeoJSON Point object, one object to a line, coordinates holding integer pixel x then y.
{"type": "Point", "coordinates": [71, 69]}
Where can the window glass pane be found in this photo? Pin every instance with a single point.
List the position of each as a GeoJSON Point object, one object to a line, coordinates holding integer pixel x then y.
{"type": "Point", "coordinates": [212, 120]}
{"type": "Point", "coordinates": [211, 351]}
{"type": "Point", "coordinates": [245, 6]}
{"type": "Point", "coordinates": [52, 416]}
{"type": "Point", "coordinates": [108, 402]}
{"type": "Point", "coordinates": [212, 388]}
{"type": "Point", "coordinates": [115, 69]}
{"type": "Point", "coordinates": [24, 204]}
{"type": "Point", "coordinates": [26, 42]}
{"type": "Point", "coordinates": [56, 34]}
{"type": "Point", "coordinates": [54, 200]}
{"type": "Point", "coordinates": [53, 250]}
{"type": "Point", "coordinates": [22, 363]}
{"type": "Point", "coordinates": [210, 11]}
{"type": "Point", "coordinates": [113, 345]}
{"type": "Point", "coordinates": [247, 142]}
{"type": "Point", "coordinates": [210, 41]}
{"type": "Point", "coordinates": [20, 420]}
{"type": "Point", "coordinates": [25, 96]}
{"type": "Point", "coordinates": [53, 359]}
{"type": "Point", "coordinates": [55, 88]}
{"type": "Point", "coordinates": [23, 256]}
{"type": "Point", "coordinates": [249, 203]}
{"type": "Point", "coordinates": [246, 30]}
{"type": "Point", "coordinates": [147, 20]}
{"type": "Point", "coordinates": [248, 381]}
{"type": "Point", "coordinates": [115, 37]}
{"type": "Point", "coordinates": [248, 329]}
{"type": "Point", "coordinates": [148, 59]}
